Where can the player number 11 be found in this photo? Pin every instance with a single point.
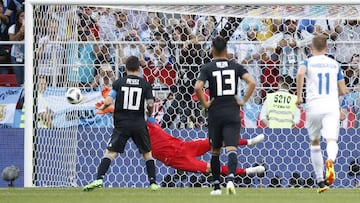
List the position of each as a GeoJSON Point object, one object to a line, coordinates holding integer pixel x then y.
{"type": "Point", "coordinates": [327, 80]}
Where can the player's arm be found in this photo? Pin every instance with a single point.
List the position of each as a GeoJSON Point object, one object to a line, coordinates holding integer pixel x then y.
{"type": "Point", "coordinates": [149, 107]}
{"type": "Point", "coordinates": [149, 100]}
{"type": "Point", "coordinates": [263, 113]}
{"type": "Point", "coordinates": [109, 100]}
{"type": "Point", "coordinates": [344, 108]}
{"type": "Point", "coordinates": [250, 89]}
{"type": "Point", "coordinates": [199, 85]}
{"type": "Point", "coordinates": [297, 116]}
{"type": "Point", "coordinates": [341, 83]}
{"type": "Point", "coordinates": [300, 83]}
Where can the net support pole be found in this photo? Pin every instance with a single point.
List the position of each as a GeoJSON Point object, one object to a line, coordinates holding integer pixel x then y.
{"type": "Point", "coordinates": [29, 96]}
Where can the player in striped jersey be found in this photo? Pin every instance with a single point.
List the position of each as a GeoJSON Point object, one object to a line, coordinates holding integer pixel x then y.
{"type": "Point", "coordinates": [324, 84]}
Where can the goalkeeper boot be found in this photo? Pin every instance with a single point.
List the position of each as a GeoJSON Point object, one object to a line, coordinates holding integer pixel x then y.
{"type": "Point", "coordinates": [230, 188]}
{"type": "Point", "coordinates": [322, 187]}
{"type": "Point", "coordinates": [258, 170]}
{"type": "Point", "coordinates": [95, 184]}
{"type": "Point", "coordinates": [330, 172]}
{"type": "Point", "coordinates": [216, 192]}
{"type": "Point", "coordinates": [253, 141]}
{"type": "Point", "coordinates": [154, 187]}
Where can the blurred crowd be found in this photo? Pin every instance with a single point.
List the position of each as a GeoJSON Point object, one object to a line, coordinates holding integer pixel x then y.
{"type": "Point", "coordinates": [87, 47]}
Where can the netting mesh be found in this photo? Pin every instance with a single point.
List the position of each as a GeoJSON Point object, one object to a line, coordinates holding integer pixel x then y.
{"type": "Point", "coordinates": [86, 47]}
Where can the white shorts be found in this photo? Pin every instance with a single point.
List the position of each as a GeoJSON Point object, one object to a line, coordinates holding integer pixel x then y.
{"type": "Point", "coordinates": [325, 125]}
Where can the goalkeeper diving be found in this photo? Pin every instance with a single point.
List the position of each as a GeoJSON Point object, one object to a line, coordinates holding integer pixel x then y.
{"type": "Point", "coordinates": [182, 155]}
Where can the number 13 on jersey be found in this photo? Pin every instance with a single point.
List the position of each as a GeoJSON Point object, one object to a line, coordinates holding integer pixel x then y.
{"type": "Point", "coordinates": [225, 82]}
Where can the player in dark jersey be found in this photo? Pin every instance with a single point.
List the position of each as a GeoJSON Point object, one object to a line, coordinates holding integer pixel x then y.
{"type": "Point", "coordinates": [130, 94]}
{"type": "Point", "coordinates": [223, 108]}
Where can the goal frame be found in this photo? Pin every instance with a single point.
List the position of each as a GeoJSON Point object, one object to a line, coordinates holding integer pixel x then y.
{"type": "Point", "coordinates": [29, 53]}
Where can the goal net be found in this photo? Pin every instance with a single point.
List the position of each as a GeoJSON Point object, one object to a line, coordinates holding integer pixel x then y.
{"type": "Point", "coordinates": [85, 46]}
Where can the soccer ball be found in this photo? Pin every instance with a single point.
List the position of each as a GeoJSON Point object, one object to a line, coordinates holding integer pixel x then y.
{"type": "Point", "coordinates": [73, 95]}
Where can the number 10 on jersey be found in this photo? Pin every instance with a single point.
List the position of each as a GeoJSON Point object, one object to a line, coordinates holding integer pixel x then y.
{"type": "Point", "coordinates": [132, 98]}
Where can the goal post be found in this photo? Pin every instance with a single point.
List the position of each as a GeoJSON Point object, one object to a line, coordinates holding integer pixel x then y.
{"type": "Point", "coordinates": [68, 154]}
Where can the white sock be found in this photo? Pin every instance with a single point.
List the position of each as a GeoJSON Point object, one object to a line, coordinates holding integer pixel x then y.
{"type": "Point", "coordinates": [332, 150]}
{"type": "Point", "coordinates": [317, 162]}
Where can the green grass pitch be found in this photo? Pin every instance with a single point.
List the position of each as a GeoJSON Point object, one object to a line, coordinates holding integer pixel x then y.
{"type": "Point", "coordinates": [176, 195]}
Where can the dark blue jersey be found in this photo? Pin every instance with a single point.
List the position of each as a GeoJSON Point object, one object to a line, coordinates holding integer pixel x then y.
{"type": "Point", "coordinates": [131, 93]}
{"type": "Point", "coordinates": [222, 76]}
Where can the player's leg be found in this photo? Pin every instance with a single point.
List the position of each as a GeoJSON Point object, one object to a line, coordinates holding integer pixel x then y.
{"type": "Point", "coordinates": [330, 132]}
{"type": "Point", "coordinates": [150, 169]}
{"type": "Point", "coordinates": [314, 125]}
{"type": "Point", "coordinates": [189, 163]}
{"type": "Point", "coordinates": [216, 140]}
{"type": "Point", "coordinates": [253, 141]}
{"type": "Point", "coordinates": [142, 141]}
{"type": "Point", "coordinates": [116, 144]}
{"type": "Point", "coordinates": [243, 171]}
{"type": "Point", "coordinates": [215, 170]}
{"type": "Point", "coordinates": [231, 132]}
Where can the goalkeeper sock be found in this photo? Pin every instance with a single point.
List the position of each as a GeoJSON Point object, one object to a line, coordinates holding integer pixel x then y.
{"type": "Point", "coordinates": [243, 142]}
{"type": "Point", "coordinates": [103, 167]}
{"type": "Point", "coordinates": [215, 168]}
{"type": "Point", "coordinates": [225, 171]}
{"type": "Point", "coordinates": [317, 162]}
{"type": "Point", "coordinates": [150, 168]}
{"type": "Point", "coordinates": [232, 163]}
{"type": "Point", "coordinates": [332, 150]}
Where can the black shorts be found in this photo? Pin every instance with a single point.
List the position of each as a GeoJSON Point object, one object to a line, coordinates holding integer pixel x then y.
{"type": "Point", "coordinates": [120, 136]}
{"type": "Point", "coordinates": [224, 131]}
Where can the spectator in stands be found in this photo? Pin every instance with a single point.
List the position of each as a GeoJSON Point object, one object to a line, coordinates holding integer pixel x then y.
{"type": "Point", "coordinates": [351, 103]}
{"type": "Point", "coordinates": [84, 73]}
{"type": "Point", "coordinates": [189, 57]}
{"type": "Point", "coordinates": [154, 29]}
{"type": "Point", "coordinates": [107, 25]}
{"type": "Point", "coordinates": [105, 76]}
{"type": "Point", "coordinates": [4, 36]}
{"type": "Point", "coordinates": [347, 41]}
{"type": "Point", "coordinates": [122, 25]}
{"type": "Point", "coordinates": [132, 49]}
{"type": "Point", "coordinates": [65, 16]}
{"type": "Point", "coordinates": [44, 112]}
{"type": "Point", "coordinates": [331, 29]}
{"type": "Point", "coordinates": [3, 18]}
{"type": "Point", "coordinates": [291, 45]}
{"type": "Point", "coordinates": [86, 20]}
{"type": "Point", "coordinates": [206, 29]}
{"type": "Point", "coordinates": [13, 6]}
{"type": "Point", "coordinates": [159, 65]}
{"type": "Point", "coordinates": [3, 25]}
{"type": "Point", "coordinates": [17, 33]}
{"type": "Point", "coordinates": [137, 19]}
{"type": "Point", "coordinates": [51, 56]}
{"type": "Point", "coordinates": [351, 71]}
{"type": "Point", "coordinates": [250, 56]}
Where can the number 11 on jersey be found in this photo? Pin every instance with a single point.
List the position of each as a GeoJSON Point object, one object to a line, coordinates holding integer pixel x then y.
{"type": "Point", "coordinates": [327, 81]}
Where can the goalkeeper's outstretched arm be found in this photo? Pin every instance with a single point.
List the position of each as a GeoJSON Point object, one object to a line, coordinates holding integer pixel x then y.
{"type": "Point", "coordinates": [109, 100]}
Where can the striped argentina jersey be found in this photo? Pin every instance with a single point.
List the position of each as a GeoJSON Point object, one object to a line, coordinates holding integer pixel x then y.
{"type": "Point", "coordinates": [322, 76]}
